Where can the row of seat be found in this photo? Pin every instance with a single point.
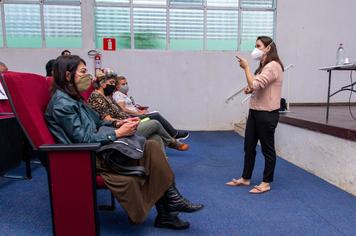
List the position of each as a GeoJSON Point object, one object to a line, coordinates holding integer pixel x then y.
{"type": "Point", "coordinates": [71, 168]}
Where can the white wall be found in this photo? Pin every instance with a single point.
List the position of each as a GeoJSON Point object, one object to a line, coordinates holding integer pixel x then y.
{"type": "Point", "coordinates": [190, 88]}
{"type": "Point", "coordinates": [332, 159]}
{"type": "Point", "coordinates": [308, 34]}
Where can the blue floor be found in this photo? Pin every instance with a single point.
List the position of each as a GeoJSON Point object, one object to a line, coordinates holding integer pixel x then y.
{"type": "Point", "coordinates": [299, 203]}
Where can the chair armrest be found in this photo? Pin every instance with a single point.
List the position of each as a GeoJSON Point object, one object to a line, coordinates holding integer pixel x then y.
{"type": "Point", "coordinates": [70, 147]}
{"type": "Point", "coordinates": [7, 114]}
{"type": "Point", "coordinates": [72, 185]}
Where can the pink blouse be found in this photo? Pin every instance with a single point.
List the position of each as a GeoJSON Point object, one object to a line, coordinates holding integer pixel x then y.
{"type": "Point", "coordinates": [267, 88]}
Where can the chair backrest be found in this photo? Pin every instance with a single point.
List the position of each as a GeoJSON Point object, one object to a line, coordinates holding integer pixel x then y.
{"type": "Point", "coordinates": [86, 93]}
{"type": "Point", "coordinates": [29, 95]}
{"type": "Point", "coordinates": [5, 106]}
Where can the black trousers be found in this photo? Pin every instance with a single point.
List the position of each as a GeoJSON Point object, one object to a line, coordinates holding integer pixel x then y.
{"type": "Point", "coordinates": [165, 123]}
{"type": "Point", "coordinates": [261, 125]}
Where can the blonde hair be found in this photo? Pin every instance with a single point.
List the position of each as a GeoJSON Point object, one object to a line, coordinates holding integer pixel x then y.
{"type": "Point", "coordinates": [120, 78]}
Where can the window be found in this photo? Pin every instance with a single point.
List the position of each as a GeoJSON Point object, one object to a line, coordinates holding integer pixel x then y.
{"type": "Point", "coordinates": [151, 2]}
{"type": "Point", "coordinates": [150, 28]}
{"type": "Point", "coordinates": [222, 3]}
{"type": "Point", "coordinates": [113, 22]}
{"type": "Point", "coordinates": [23, 25]}
{"type": "Point", "coordinates": [1, 40]}
{"type": "Point", "coordinates": [222, 30]}
{"type": "Point", "coordinates": [42, 23]}
{"type": "Point", "coordinates": [185, 24]}
{"type": "Point", "coordinates": [139, 24]}
{"type": "Point", "coordinates": [257, 3]}
{"type": "Point", "coordinates": [255, 23]}
{"type": "Point", "coordinates": [63, 26]}
{"type": "Point", "coordinates": [112, 1]}
{"type": "Point", "coordinates": [187, 2]}
{"type": "Point", "coordinates": [186, 29]}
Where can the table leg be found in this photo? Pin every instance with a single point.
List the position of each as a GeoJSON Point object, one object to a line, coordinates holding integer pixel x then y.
{"type": "Point", "coordinates": [328, 100]}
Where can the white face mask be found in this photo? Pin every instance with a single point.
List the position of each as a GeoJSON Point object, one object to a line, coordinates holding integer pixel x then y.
{"type": "Point", "coordinates": [257, 54]}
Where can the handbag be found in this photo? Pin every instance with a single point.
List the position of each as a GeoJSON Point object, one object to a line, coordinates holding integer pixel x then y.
{"type": "Point", "coordinates": [119, 154]}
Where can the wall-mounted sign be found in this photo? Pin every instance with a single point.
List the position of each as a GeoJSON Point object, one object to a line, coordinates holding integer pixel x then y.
{"type": "Point", "coordinates": [109, 44]}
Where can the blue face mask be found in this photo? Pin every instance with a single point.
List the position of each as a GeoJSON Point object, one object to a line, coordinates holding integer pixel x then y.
{"type": "Point", "coordinates": [124, 89]}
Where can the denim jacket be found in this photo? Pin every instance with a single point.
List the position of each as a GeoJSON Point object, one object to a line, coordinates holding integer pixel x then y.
{"type": "Point", "coordinates": [72, 121]}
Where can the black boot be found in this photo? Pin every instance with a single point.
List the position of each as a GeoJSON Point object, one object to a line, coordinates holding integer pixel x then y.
{"type": "Point", "coordinates": [176, 202]}
{"type": "Point", "coordinates": [166, 219]}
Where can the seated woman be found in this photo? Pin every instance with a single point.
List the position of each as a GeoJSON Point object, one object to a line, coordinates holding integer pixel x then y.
{"type": "Point", "coordinates": [101, 101]}
{"type": "Point", "coordinates": [127, 104]}
{"type": "Point", "coordinates": [70, 120]}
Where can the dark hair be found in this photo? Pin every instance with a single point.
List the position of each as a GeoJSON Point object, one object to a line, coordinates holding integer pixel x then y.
{"type": "Point", "coordinates": [63, 52]}
{"type": "Point", "coordinates": [49, 67]}
{"type": "Point", "coordinates": [62, 65]}
{"type": "Point", "coordinates": [272, 54]}
{"type": "Point", "coordinates": [108, 74]}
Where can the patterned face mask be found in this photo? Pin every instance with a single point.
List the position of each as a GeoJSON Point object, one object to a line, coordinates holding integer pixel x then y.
{"type": "Point", "coordinates": [83, 83]}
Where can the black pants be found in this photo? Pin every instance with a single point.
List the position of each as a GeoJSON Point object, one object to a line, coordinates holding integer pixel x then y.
{"type": "Point", "coordinates": [261, 126]}
{"type": "Point", "coordinates": [166, 125]}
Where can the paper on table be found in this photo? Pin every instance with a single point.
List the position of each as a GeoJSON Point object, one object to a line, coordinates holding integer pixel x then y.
{"type": "Point", "coordinates": [2, 93]}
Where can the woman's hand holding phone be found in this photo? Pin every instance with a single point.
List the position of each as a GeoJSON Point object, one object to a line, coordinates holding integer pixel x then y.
{"type": "Point", "coordinates": [128, 128]}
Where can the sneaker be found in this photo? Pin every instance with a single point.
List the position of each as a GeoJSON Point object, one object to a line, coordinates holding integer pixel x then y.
{"type": "Point", "coordinates": [182, 147]}
{"type": "Point", "coordinates": [182, 135]}
{"type": "Point", "coordinates": [179, 146]}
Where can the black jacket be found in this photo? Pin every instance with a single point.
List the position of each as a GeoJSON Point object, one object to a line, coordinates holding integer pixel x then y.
{"type": "Point", "coordinates": [72, 121]}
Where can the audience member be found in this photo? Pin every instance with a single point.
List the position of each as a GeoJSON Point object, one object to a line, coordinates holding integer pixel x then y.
{"type": "Point", "coordinates": [49, 68]}
{"type": "Point", "coordinates": [3, 67]}
{"type": "Point", "coordinates": [101, 101]}
{"type": "Point", "coordinates": [127, 104]}
{"type": "Point", "coordinates": [66, 53]}
{"type": "Point", "coordinates": [71, 121]}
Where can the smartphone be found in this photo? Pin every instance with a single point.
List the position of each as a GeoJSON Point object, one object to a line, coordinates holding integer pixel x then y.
{"type": "Point", "coordinates": [145, 119]}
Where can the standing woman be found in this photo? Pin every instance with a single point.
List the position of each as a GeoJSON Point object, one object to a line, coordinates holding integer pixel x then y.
{"type": "Point", "coordinates": [265, 86]}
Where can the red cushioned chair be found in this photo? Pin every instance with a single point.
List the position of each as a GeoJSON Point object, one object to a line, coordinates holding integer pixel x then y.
{"type": "Point", "coordinates": [5, 108]}
{"type": "Point", "coordinates": [71, 168]}
{"type": "Point", "coordinates": [86, 94]}
{"type": "Point", "coordinates": [6, 111]}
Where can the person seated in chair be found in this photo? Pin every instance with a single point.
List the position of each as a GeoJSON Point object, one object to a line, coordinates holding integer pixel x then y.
{"type": "Point", "coordinates": [70, 120]}
{"type": "Point", "coordinates": [101, 101]}
{"type": "Point", "coordinates": [66, 52]}
{"type": "Point", "coordinates": [49, 68]}
{"type": "Point", "coordinates": [127, 104]}
{"type": "Point", "coordinates": [3, 67]}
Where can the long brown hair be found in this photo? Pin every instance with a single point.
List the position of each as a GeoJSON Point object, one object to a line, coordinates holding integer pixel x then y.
{"type": "Point", "coordinates": [62, 65]}
{"type": "Point", "coordinates": [271, 55]}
